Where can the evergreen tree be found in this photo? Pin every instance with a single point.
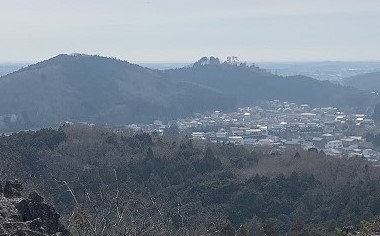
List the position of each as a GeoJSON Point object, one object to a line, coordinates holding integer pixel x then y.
{"type": "Point", "coordinates": [376, 113]}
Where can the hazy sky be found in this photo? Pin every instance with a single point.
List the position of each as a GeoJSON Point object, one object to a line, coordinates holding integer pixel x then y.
{"type": "Point", "coordinates": [185, 30]}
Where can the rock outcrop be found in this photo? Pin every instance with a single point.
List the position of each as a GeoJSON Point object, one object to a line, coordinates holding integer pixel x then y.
{"type": "Point", "coordinates": [13, 189]}
{"type": "Point", "coordinates": [27, 216]}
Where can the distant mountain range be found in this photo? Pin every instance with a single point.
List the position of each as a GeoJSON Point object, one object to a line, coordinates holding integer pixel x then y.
{"type": "Point", "coordinates": [366, 81]}
{"type": "Point", "coordinates": [333, 71]}
{"type": "Point", "coordinates": [110, 91]}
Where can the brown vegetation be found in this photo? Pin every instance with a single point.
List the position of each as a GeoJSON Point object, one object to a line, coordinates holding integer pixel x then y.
{"type": "Point", "coordinates": [125, 183]}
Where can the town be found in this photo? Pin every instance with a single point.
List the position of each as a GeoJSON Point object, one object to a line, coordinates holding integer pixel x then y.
{"type": "Point", "coordinates": [277, 126]}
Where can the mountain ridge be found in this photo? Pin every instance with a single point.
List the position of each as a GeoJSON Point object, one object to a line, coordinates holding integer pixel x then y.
{"type": "Point", "coordinates": [366, 81]}
{"type": "Point", "coordinates": [99, 89]}
{"type": "Point", "coordinates": [249, 83]}
{"type": "Point", "coordinates": [106, 90]}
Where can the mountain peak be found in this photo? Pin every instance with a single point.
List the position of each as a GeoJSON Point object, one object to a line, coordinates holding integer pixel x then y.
{"type": "Point", "coordinates": [98, 90]}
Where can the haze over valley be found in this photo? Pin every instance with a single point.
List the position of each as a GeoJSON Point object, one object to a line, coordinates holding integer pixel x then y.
{"type": "Point", "coordinates": [182, 118]}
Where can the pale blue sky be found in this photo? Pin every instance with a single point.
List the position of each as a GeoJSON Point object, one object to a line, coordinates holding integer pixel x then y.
{"type": "Point", "coordinates": [184, 30]}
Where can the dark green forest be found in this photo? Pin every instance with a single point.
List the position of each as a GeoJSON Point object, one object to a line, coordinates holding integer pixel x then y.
{"type": "Point", "coordinates": [123, 183]}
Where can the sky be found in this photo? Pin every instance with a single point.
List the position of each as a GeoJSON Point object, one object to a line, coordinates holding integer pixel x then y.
{"type": "Point", "coordinates": [184, 30]}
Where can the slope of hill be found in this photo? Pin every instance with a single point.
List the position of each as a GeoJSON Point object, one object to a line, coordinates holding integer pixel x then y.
{"type": "Point", "coordinates": [250, 84]}
{"type": "Point", "coordinates": [367, 81]}
{"type": "Point", "coordinates": [100, 90]}
{"type": "Point", "coordinates": [109, 91]}
{"type": "Point", "coordinates": [137, 183]}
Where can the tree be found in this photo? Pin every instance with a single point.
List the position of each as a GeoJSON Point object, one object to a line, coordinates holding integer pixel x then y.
{"type": "Point", "coordinates": [376, 113]}
{"type": "Point", "coordinates": [172, 131]}
{"type": "Point", "coordinates": [149, 154]}
{"type": "Point", "coordinates": [269, 229]}
{"type": "Point", "coordinates": [209, 162]}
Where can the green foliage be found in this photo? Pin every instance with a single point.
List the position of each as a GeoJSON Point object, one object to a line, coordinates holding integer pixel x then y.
{"type": "Point", "coordinates": [208, 163]}
{"type": "Point", "coordinates": [194, 185]}
{"type": "Point", "coordinates": [28, 145]}
{"type": "Point", "coordinates": [268, 198]}
{"type": "Point", "coordinates": [44, 138]}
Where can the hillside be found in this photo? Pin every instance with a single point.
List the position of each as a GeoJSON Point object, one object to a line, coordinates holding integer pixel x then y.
{"type": "Point", "coordinates": [99, 90]}
{"type": "Point", "coordinates": [367, 81]}
{"type": "Point", "coordinates": [138, 182]}
{"type": "Point", "coordinates": [109, 91]}
{"type": "Point", "coordinates": [250, 84]}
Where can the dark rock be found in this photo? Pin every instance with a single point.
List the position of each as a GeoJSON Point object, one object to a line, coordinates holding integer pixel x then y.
{"type": "Point", "coordinates": [23, 208]}
{"type": "Point", "coordinates": [36, 225]}
{"type": "Point", "coordinates": [35, 197]}
{"type": "Point", "coordinates": [13, 189]}
{"type": "Point", "coordinates": [48, 215]}
{"type": "Point", "coordinates": [1, 188]}
{"type": "Point", "coordinates": [36, 210]}
{"type": "Point", "coordinates": [29, 217]}
{"type": "Point", "coordinates": [16, 217]}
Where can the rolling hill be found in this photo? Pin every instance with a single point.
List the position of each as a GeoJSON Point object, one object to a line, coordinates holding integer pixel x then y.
{"type": "Point", "coordinates": [99, 90]}
{"type": "Point", "coordinates": [249, 84]}
{"type": "Point", "coordinates": [109, 91]}
{"type": "Point", "coordinates": [367, 81]}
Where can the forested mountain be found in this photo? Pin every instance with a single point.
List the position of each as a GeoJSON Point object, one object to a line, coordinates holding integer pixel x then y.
{"type": "Point", "coordinates": [368, 81]}
{"type": "Point", "coordinates": [250, 84]}
{"type": "Point", "coordinates": [105, 183]}
{"type": "Point", "coordinates": [100, 90]}
{"type": "Point", "coordinates": [109, 91]}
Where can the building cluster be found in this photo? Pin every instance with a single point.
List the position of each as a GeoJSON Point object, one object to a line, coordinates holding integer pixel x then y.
{"type": "Point", "coordinates": [278, 125]}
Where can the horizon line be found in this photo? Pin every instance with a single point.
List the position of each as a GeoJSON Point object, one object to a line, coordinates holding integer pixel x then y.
{"type": "Point", "coordinates": [263, 61]}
